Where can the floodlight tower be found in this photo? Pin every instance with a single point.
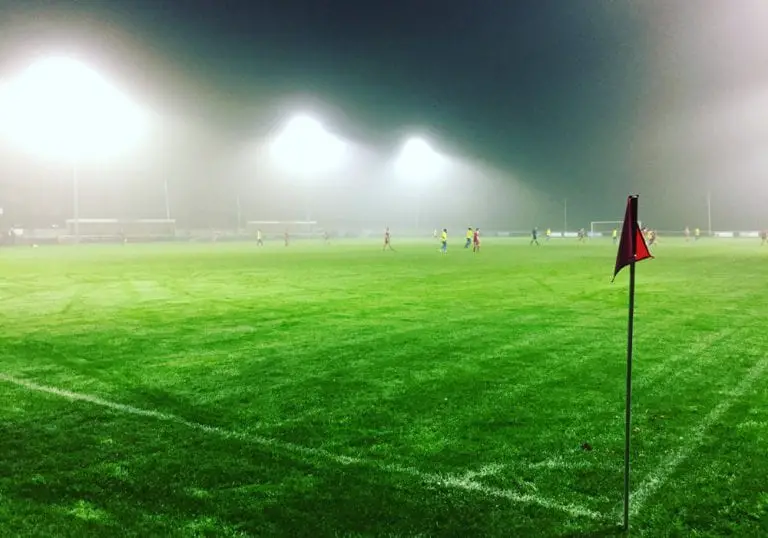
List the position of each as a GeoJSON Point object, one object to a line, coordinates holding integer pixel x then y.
{"type": "Point", "coordinates": [62, 108]}
{"type": "Point", "coordinates": [305, 149]}
{"type": "Point", "coordinates": [418, 161]}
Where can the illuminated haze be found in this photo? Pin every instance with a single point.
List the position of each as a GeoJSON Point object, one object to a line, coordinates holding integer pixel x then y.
{"type": "Point", "coordinates": [530, 103]}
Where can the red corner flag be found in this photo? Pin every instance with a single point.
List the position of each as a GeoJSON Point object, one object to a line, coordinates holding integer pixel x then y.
{"type": "Point", "coordinates": [632, 247]}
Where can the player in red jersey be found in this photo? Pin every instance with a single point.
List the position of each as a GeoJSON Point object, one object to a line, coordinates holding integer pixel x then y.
{"type": "Point", "coordinates": [476, 240]}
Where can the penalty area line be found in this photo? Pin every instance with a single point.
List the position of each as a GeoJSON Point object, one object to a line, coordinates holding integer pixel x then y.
{"type": "Point", "coordinates": [660, 475]}
{"type": "Point", "coordinates": [467, 482]}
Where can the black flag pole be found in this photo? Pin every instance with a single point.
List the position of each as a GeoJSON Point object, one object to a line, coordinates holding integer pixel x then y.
{"type": "Point", "coordinates": [628, 410]}
{"type": "Point", "coordinates": [632, 249]}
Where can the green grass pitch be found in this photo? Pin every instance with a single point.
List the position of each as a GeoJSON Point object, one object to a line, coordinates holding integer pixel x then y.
{"type": "Point", "coordinates": [226, 390]}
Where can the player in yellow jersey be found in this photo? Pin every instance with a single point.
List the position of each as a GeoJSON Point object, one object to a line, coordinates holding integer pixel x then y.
{"type": "Point", "coordinates": [615, 236]}
{"type": "Point", "coordinates": [696, 234]}
{"type": "Point", "coordinates": [549, 234]}
{"type": "Point", "coordinates": [259, 240]}
{"type": "Point", "coordinates": [444, 241]}
{"type": "Point", "coordinates": [469, 237]}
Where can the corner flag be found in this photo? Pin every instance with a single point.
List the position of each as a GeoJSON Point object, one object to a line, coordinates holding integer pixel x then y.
{"type": "Point", "coordinates": [632, 249]}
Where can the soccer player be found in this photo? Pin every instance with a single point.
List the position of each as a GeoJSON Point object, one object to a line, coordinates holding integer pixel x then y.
{"type": "Point", "coordinates": [651, 237]}
{"type": "Point", "coordinates": [326, 237]}
{"type": "Point", "coordinates": [476, 240]}
{"type": "Point", "coordinates": [581, 235]}
{"type": "Point", "coordinates": [549, 234]}
{"type": "Point", "coordinates": [469, 237]}
{"type": "Point", "coordinates": [535, 236]}
{"type": "Point", "coordinates": [687, 233]}
{"type": "Point", "coordinates": [763, 237]}
{"type": "Point", "coordinates": [259, 240]}
{"type": "Point", "coordinates": [285, 237]}
{"type": "Point", "coordinates": [615, 235]}
{"type": "Point", "coordinates": [444, 241]}
{"type": "Point", "coordinates": [387, 240]}
{"type": "Point", "coordinates": [696, 234]}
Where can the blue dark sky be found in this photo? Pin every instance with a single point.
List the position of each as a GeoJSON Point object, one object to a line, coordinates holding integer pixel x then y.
{"type": "Point", "coordinates": [585, 99]}
{"type": "Point", "coordinates": [511, 81]}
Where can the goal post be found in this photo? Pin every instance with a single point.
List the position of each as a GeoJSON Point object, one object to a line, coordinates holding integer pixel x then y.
{"type": "Point", "coordinates": [122, 228]}
{"type": "Point", "coordinates": [297, 229]}
{"type": "Point", "coordinates": [600, 228]}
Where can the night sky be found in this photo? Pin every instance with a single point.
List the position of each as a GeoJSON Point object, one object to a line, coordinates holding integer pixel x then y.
{"type": "Point", "coordinates": [580, 99]}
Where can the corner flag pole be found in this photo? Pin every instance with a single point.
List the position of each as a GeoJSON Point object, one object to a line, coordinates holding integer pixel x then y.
{"type": "Point", "coordinates": [632, 249]}
{"type": "Point", "coordinates": [628, 410]}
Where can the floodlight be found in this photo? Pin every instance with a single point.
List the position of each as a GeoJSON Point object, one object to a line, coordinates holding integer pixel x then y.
{"type": "Point", "coordinates": [305, 146]}
{"type": "Point", "coordinates": [418, 159]}
{"type": "Point", "coordinates": [60, 107]}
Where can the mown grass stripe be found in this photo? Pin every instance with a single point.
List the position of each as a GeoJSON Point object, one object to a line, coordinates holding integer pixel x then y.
{"type": "Point", "coordinates": [660, 475]}
{"type": "Point", "coordinates": [466, 482]}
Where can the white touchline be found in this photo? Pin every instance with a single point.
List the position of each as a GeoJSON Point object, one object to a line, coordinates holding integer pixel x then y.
{"type": "Point", "coordinates": [659, 476]}
{"type": "Point", "coordinates": [667, 368]}
{"type": "Point", "coordinates": [466, 482]}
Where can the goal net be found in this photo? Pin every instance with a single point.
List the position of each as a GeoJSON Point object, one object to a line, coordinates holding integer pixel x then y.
{"type": "Point", "coordinates": [275, 229]}
{"type": "Point", "coordinates": [115, 229]}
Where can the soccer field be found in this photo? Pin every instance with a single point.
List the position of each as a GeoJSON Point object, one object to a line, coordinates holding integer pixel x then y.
{"type": "Point", "coordinates": [225, 390]}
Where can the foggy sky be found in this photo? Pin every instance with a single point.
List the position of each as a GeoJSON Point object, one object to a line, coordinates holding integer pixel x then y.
{"type": "Point", "coordinates": [581, 100]}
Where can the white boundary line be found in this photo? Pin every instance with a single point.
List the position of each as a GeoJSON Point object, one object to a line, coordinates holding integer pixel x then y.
{"type": "Point", "coordinates": [667, 369]}
{"type": "Point", "coordinates": [467, 482]}
{"type": "Point", "coordinates": [659, 476]}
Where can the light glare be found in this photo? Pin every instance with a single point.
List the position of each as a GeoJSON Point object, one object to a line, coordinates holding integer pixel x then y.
{"type": "Point", "coordinates": [62, 108]}
{"type": "Point", "coordinates": [418, 159]}
{"type": "Point", "coordinates": [304, 146]}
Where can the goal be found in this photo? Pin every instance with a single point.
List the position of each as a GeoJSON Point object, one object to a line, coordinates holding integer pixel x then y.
{"type": "Point", "coordinates": [273, 229]}
{"type": "Point", "coordinates": [110, 229]}
{"type": "Point", "coordinates": [604, 228]}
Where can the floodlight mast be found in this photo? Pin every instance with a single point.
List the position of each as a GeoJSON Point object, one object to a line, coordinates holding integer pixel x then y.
{"type": "Point", "coordinates": [76, 200]}
{"type": "Point", "coordinates": [167, 200]}
{"type": "Point", "coordinates": [417, 158]}
{"type": "Point", "coordinates": [418, 161]}
{"type": "Point", "coordinates": [61, 107]}
{"type": "Point", "coordinates": [305, 149]}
